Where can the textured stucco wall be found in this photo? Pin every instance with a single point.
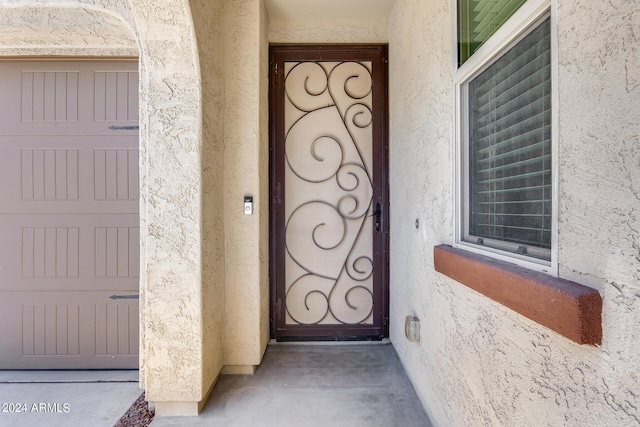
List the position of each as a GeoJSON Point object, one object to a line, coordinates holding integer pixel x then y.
{"type": "Point", "coordinates": [245, 157]}
{"type": "Point", "coordinates": [420, 180]}
{"type": "Point", "coordinates": [328, 31]}
{"type": "Point", "coordinates": [479, 363]}
{"type": "Point", "coordinates": [599, 180]}
{"type": "Point", "coordinates": [263, 173]}
{"type": "Point", "coordinates": [62, 28]}
{"type": "Point", "coordinates": [171, 200]}
{"type": "Point", "coordinates": [67, 30]}
{"type": "Point", "coordinates": [208, 16]}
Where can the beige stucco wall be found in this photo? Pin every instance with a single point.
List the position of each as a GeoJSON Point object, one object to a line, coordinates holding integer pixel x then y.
{"type": "Point", "coordinates": [421, 180]}
{"type": "Point", "coordinates": [479, 363]}
{"type": "Point", "coordinates": [263, 173]}
{"type": "Point", "coordinates": [328, 31]}
{"type": "Point", "coordinates": [208, 23]}
{"type": "Point", "coordinates": [175, 362]}
{"type": "Point", "coordinates": [60, 29]}
{"type": "Point", "coordinates": [246, 153]}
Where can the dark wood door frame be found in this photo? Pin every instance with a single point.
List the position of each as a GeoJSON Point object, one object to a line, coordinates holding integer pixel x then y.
{"type": "Point", "coordinates": [378, 55]}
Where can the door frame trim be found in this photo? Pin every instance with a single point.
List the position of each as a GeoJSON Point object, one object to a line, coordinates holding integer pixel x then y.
{"type": "Point", "coordinates": [381, 193]}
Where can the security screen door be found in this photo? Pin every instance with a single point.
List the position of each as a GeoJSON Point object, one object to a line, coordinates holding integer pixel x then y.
{"type": "Point", "coordinates": [329, 193]}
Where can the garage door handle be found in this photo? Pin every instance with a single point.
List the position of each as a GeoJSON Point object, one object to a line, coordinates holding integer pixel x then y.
{"type": "Point", "coordinates": [123, 127]}
{"type": "Point", "coordinates": [124, 297]}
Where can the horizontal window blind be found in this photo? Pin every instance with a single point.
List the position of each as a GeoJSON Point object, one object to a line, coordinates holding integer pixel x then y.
{"type": "Point", "coordinates": [510, 146]}
{"type": "Point", "coordinates": [478, 20]}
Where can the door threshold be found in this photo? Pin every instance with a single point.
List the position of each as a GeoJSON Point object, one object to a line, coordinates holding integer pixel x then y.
{"type": "Point", "coordinates": [383, 341]}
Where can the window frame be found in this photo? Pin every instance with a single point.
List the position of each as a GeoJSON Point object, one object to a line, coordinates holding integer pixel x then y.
{"type": "Point", "coordinates": [514, 29]}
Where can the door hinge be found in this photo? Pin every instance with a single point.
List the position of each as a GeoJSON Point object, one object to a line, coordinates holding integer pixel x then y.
{"type": "Point", "coordinates": [278, 309]}
{"type": "Point", "coordinates": [275, 69]}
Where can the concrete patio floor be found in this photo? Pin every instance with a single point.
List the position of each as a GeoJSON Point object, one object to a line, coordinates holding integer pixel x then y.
{"type": "Point", "coordinates": [361, 385]}
{"type": "Point", "coordinates": [66, 398]}
{"type": "Point", "coordinates": [305, 385]}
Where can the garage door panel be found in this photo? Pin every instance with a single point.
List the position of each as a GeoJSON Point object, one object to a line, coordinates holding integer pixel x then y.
{"type": "Point", "coordinates": [69, 223]}
{"type": "Point", "coordinates": [115, 96]}
{"type": "Point", "coordinates": [116, 329]}
{"type": "Point", "coordinates": [72, 252]}
{"type": "Point", "coordinates": [49, 174]}
{"type": "Point", "coordinates": [117, 252]}
{"type": "Point", "coordinates": [46, 252]}
{"type": "Point", "coordinates": [65, 175]}
{"type": "Point", "coordinates": [50, 329]}
{"type": "Point", "coordinates": [49, 96]}
{"type": "Point", "coordinates": [68, 330]}
{"type": "Point", "coordinates": [32, 253]}
{"type": "Point", "coordinates": [68, 98]}
{"type": "Point", "coordinates": [116, 174]}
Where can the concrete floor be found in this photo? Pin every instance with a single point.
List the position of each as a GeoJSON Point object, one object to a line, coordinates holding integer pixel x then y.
{"type": "Point", "coordinates": [304, 385]}
{"type": "Point", "coordinates": [66, 398]}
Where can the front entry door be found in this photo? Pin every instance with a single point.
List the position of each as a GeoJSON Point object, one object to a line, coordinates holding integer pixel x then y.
{"type": "Point", "coordinates": [329, 192]}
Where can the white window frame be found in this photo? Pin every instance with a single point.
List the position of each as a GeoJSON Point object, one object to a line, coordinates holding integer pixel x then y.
{"type": "Point", "coordinates": [526, 16]}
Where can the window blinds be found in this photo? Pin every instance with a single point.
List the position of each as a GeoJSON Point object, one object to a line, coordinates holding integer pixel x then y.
{"type": "Point", "coordinates": [510, 145]}
{"type": "Point", "coordinates": [478, 20]}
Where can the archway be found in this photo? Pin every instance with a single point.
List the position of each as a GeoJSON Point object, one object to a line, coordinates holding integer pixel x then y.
{"type": "Point", "coordinates": [174, 365]}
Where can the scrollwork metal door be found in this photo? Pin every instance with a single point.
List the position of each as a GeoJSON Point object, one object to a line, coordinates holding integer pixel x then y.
{"type": "Point", "coordinates": [329, 192]}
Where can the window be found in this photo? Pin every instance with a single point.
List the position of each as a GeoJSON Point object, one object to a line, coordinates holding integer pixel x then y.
{"type": "Point", "coordinates": [505, 121]}
{"type": "Point", "coordinates": [478, 20]}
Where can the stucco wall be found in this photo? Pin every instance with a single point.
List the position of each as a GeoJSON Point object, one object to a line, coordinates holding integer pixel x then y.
{"type": "Point", "coordinates": [328, 31]}
{"type": "Point", "coordinates": [245, 155]}
{"type": "Point", "coordinates": [67, 30]}
{"type": "Point", "coordinates": [479, 363]}
{"type": "Point", "coordinates": [208, 18]}
{"type": "Point", "coordinates": [420, 180]}
{"type": "Point", "coordinates": [171, 200]}
{"type": "Point", "coordinates": [263, 174]}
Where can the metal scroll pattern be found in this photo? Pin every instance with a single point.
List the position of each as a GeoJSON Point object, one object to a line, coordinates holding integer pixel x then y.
{"type": "Point", "coordinates": [328, 187]}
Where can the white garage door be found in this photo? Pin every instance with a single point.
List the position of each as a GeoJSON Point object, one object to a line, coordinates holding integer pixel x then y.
{"type": "Point", "coordinates": [69, 228]}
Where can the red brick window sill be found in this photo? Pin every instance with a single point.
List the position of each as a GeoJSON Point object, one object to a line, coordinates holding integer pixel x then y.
{"type": "Point", "coordinates": [570, 309]}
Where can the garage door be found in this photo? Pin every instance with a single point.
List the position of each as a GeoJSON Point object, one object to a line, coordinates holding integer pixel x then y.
{"type": "Point", "coordinates": [69, 227]}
